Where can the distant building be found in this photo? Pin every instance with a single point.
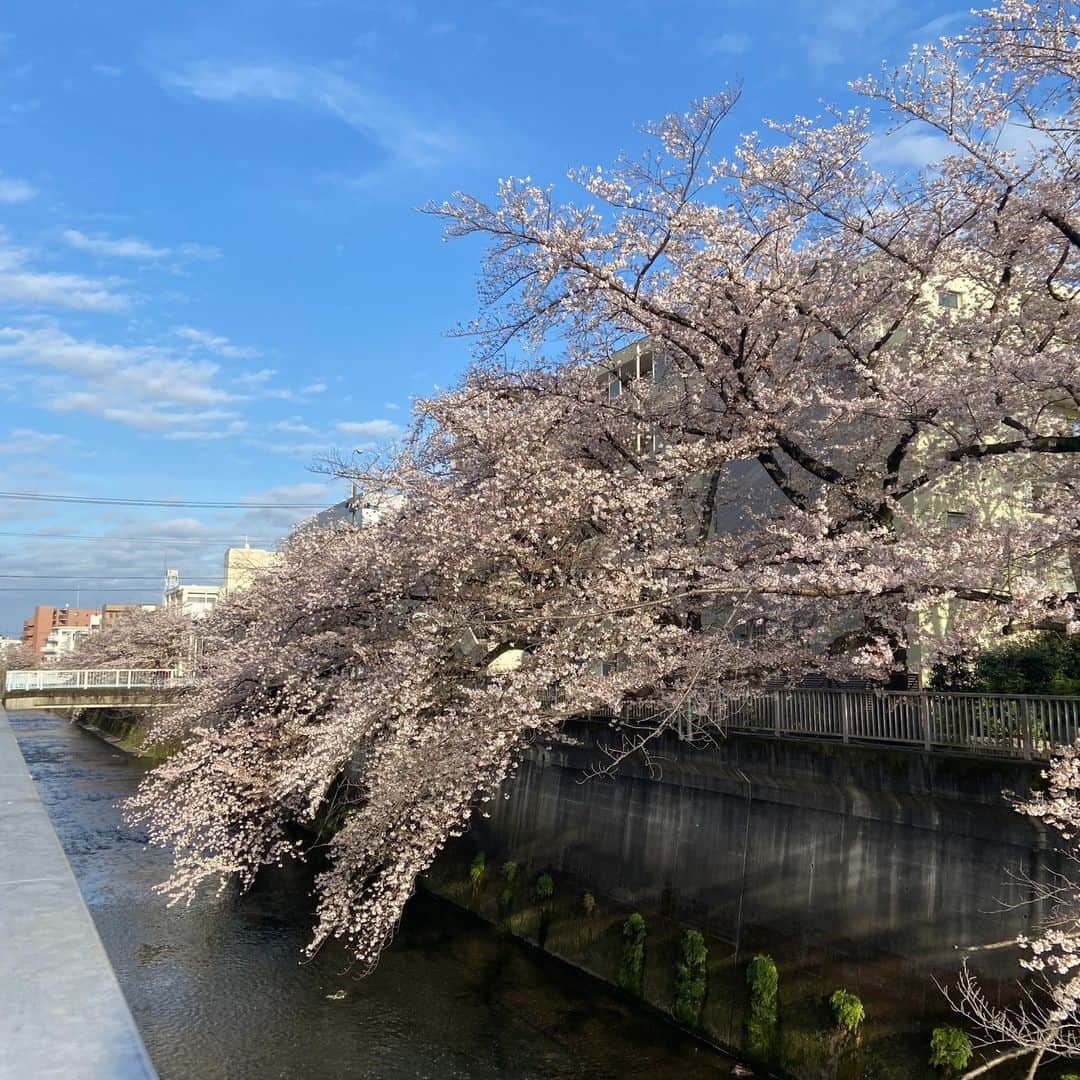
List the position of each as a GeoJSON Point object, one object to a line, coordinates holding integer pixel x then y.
{"type": "Point", "coordinates": [195, 601]}
{"type": "Point", "coordinates": [46, 619]}
{"type": "Point", "coordinates": [359, 509]}
{"type": "Point", "coordinates": [7, 643]}
{"type": "Point", "coordinates": [243, 565]}
{"type": "Point", "coordinates": [112, 613]}
{"type": "Point", "coordinates": [64, 640]}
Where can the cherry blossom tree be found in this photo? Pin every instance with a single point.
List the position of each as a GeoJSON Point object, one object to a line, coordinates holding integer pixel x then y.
{"type": "Point", "coordinates": [732, 421]}
{"type": "Point", "coordinates": [156, 638]}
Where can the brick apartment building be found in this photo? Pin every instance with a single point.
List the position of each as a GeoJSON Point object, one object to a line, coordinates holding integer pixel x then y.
{"type": "Point", "coordinates": [36, 628]}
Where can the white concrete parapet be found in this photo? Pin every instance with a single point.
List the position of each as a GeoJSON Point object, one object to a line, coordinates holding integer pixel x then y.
{"type": "Point", "coordinates": [62, 1013]}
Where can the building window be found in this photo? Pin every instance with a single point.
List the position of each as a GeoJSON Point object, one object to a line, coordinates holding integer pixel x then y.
{"type": "Point", "coordinates": [948, 299]}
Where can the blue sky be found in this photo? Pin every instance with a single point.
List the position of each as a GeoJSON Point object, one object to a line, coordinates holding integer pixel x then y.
{"type": "Point", "coordinates": [211, 265]}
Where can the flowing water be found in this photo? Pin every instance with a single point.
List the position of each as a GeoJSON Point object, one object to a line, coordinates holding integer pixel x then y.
{"type": "Point", "coordinates": [221, 990]}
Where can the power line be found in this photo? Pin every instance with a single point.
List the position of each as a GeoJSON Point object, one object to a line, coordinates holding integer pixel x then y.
{"type": "Point", "coordinates": [100, 588]}
{"type": "Point", "coordinates": [83, 577]}
{"type": "Point", "coordinates": [30, 496]}
{"type": "Point", "coordinates": [205, 542]}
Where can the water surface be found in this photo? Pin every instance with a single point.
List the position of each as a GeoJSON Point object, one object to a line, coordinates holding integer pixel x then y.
{"type": "Point", "coordinates": [221, 990]}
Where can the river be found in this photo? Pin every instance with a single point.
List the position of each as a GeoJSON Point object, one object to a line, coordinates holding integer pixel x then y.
{"type": "Point", "coordinates": [221, 989]}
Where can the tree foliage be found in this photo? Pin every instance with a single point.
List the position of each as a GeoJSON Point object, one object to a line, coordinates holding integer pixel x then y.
{"type": "Point", "coordinates": [691, 975]}
{"type": "Point", "coordinates": [562, 537]}
{"type": "Point", "coordinates": [764, 982]}
{"type": "Point", "coordinates": [1040, 663]}
{"type": "Point", "coordinates": [631, 973]}
{"type": "Point", "coordinates": [158, 638]}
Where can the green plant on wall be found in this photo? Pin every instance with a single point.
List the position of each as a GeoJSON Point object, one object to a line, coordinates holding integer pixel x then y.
{"type": "Point", "coordinates": [848, 1012]}
{"type": "Point", "coordinates": [631, 974]}
{"type": "Point", "coordinates": [506, 896]}
{"type": "Point", "coordinates": [950, 1050]}
{"type": "Point", "coordinates": [690, 979]}
{"type": "Point", "coordinates": [764, 981]}
{"type": "Point", "coordinates": [476, 870]}
{"type": "Point", "coordinates": [544, 889]}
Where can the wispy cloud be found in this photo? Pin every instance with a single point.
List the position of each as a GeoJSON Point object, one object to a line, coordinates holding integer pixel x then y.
{"type": "Point", "coordinates": [144, 387]}
{"type": "Point", "coordinates": [114, 248]}
{"type": "Point", "coordinates": [131, 247]}
{"type": "Point", "coordinates": [370, 429]}
{"type": "Point", "coordinates": [110, 71]}
{"type": "Point", "coordinates": [15, 191]}
{"type": "Point", "coordinates": [221, 346]}
{"type": "Point", "coordinates": [414, 141]}
{"type": "Point", "coordinates": [21, 284]}
{"type": "Point", "coordinates": [25, 442]}
{"type": "Point", "coordinates": [908, 148]}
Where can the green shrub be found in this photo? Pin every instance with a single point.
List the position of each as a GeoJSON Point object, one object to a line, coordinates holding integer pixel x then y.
{"type": "Point", "coordinates": [631, 974]}
{"type": "Point", "coordinates": [848, 1012]}
{"type": "Point", "coordinates": [764, 981]}
{"type": "Point", "coordinates": [1043, 663]}
{"type": "Point", "coordinates": [690, 979]}
{"type": "Point", "coordinates": [506, 897]}
{"type": "Point", "coordinates": [588, 903]}
{"type": "Point", "coordinates": [544, 889]}
{"type": "Point", "coordinates": [950, 1050]}
{"type": "Point", "coordinates": [476, 870]}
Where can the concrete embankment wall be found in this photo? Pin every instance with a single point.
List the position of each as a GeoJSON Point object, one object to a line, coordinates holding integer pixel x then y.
{"type": "Point", "coordinates": [855, 867]}
{"type": "Point", "coordinates": [62, 1013]}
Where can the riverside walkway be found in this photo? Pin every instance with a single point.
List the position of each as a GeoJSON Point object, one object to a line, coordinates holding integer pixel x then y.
{"type": "Point", "coordinates": [62, 1014]}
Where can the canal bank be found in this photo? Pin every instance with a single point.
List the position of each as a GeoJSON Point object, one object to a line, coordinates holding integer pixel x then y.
{"type": "Point", "coordinates": [854, 868]}
{"type": "Point", "coordinates": [222, 990]}
{"type": "Point", "coordinates": [62, 1013]}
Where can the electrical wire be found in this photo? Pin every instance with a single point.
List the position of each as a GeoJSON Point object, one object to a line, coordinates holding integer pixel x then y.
{"type": "Point", "coordinates": [205, 542]}
{"type": "Point", "coordinates": [30, 496]}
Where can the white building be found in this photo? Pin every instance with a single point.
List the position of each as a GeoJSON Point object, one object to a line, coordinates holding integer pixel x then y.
{"type": "Point", "coordinates": [64, 640]}
{"type": "Point", "coordinates": [244, 565]}
{"type": "Point", "coordinates": [195, 601]}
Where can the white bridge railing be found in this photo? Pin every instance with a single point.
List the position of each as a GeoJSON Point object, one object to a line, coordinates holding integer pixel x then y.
{"type": "Point", "coordinates": [94, 679]}
{"type": "Point", "coordinates": [1011, 725]}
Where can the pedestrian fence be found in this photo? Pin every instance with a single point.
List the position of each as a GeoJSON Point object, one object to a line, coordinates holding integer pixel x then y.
{"type": "Point", "coordinates": [93, 679]}
{"type": "Point", "coordinates": [1005, 725]}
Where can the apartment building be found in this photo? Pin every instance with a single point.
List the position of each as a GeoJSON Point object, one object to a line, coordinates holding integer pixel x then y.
{"type": "Point", "coordinates": [194, 601]}
{"type": "Point", "coordinates": [243, 565]}
{"type": "Point", "coordinates": [45, 619]}
{"type": "Point", "coordinates": [64, 640]}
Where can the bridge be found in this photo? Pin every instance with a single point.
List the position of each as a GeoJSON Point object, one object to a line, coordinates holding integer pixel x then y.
{"type": "Point", "coordinates": [94, 688]}
{"type": "Point", "coordinates": [1021, 726]}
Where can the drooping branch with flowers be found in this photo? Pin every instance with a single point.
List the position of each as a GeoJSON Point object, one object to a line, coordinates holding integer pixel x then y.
{"type": "Point", "coordinates": [771, 499]}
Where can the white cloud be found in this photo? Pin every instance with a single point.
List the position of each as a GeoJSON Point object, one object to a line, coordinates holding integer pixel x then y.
{"type": "Point", "coordinates": [15, 191]}
{"type": "Point", "coordinates": [20, 283]}
{"type": "Point", "coordinates": [385, 122]}
{"type": "Point", "coordinates": [294, 425]}
{"type": "Point", "coordinates": [908, 148]}
{"type": "Point", "coordinates": [222, 346]}
{"type": "Point", "coordinates": [25, 442]}
{"type": "Point", "coordinates": [314, 388]}
{"type": "Point", "coordinates": [370, 429]}
{"type": "Point", "coordinates": [730, 43]}
{"type": "Point", "coordinates": [122, 248]}
{"type": "Point", "coordinates": [144, 387]}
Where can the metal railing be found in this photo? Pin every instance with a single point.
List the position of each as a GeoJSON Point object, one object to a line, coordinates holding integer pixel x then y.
{"type": "Point", "coordinates": [94, 679]}
{"type": "Point", "coordinates": [1010, 725]}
